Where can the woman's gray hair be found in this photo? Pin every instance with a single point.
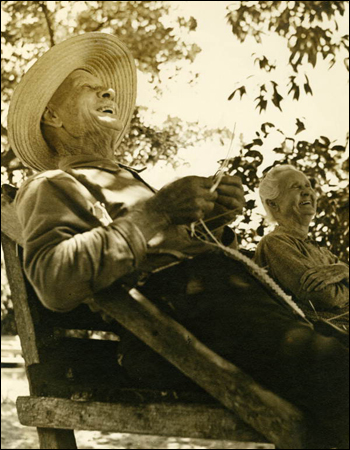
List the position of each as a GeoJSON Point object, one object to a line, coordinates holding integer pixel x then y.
{"type": "Point", "coordinates": [269, 187]}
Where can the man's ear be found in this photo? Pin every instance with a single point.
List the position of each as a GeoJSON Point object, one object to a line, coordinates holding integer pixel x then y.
{"type": "Point", "coordinates": [273, 205]}
{"type": "Point", "coordinates": [51, 118]}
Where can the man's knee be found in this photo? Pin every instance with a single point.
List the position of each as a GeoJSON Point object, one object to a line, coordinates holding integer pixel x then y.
{"type": "Point", "coordinates": [303, 341]}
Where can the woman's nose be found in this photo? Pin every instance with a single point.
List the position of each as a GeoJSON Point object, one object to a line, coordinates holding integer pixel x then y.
{"type": "Point", "coordinates": [307, 191]}
{"type": "Point", "coordinates": [107, 93]}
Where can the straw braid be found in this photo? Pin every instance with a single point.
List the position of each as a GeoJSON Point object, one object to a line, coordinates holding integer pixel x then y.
{"type": "Point", "coordinates": [104, 55]}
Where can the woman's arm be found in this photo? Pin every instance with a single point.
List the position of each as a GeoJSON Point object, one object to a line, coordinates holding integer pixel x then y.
{"type": "Point", "coordinates": [287, 264]}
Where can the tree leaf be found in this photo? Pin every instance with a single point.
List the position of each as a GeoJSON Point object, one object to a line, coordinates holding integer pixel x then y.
{"type": "Point", "coordinates": [326, 141]}
{"type": "Point", "coordinates": [241, 90]}
{"type": "Point", "coordinates": [300, 126]}
{"type": "Point", "coordinates": [277, 97]}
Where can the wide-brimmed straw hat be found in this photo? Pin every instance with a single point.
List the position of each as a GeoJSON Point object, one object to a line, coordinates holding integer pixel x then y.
{"type": "Point", "coordinates": [103, 55]}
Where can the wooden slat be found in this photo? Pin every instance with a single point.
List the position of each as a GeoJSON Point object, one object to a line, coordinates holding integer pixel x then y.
{"type": "Point", "coordinates": [196, 421]}
{"type": "Point", "coordinates": [23, 314]}
{"type": "Point", "coordinates": [279, 421]}
{"type": "Point", "coordinates": [81, 318]}
{"type": "Point", "coordinates": [270, 415]}
{"type": "Point", "coordinates": [56, 439]}
{"type": "Point", "coordinates": [10, 224]}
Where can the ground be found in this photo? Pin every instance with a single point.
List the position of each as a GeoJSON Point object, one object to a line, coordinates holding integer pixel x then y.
{"type": "Point", "coordinates": [16, 436]}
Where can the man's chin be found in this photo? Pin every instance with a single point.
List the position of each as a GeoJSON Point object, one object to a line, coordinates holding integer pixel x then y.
{"type": "Point", "coordinates": [110, 121]}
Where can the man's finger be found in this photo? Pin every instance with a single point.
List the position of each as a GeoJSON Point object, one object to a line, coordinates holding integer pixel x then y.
{"type": "Point", "coordinates": [207, 182]}
{"type": "Point", "coordinates": [208, 195]}
{"type": "Point", "coordinates": [231, 180]}
{"type": "Point", "coordinates": [230, 203]}
{"type": "Point", "coordinates": [231, 190]}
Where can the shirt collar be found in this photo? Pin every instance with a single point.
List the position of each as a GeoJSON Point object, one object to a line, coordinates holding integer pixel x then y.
{"type": "Point", "coordinates": [79, 161]}
{"type": "Point", "coordinates": [280, 229]}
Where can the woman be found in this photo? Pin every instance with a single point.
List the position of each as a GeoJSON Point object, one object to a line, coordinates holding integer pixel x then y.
{"type": "Point", "coordinates": [311, 274]}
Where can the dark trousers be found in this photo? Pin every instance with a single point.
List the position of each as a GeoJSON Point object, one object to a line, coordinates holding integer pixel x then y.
{"type": "Point", "coordinates": [234, 315]}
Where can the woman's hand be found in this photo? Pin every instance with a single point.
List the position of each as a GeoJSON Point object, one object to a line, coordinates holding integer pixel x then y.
{"type": "Point", "coordinates": [320, 277]}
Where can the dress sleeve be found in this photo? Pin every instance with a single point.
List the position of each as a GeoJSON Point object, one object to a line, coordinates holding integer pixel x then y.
{"type": "Point", "coordinates": [68, 254]}
{"type": "Point", "coordinates": [286, 263]}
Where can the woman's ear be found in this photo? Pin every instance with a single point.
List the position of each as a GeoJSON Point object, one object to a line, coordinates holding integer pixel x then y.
{"type": "Point", "coordinates": [51, 118]}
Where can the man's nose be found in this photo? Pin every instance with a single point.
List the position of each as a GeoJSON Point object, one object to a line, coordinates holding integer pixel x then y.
{"type": "Point", "coordinates": [107, 93]}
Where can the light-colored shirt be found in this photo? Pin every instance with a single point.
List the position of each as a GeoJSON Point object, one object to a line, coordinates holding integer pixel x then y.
{"type": "Point", "coordinates": [71, 249]}
{"type": "Point", "coordinates": [287, 256]}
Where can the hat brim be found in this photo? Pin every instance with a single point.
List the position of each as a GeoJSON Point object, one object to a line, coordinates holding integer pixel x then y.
{"type": "Point", "coordinates": [103, 55]}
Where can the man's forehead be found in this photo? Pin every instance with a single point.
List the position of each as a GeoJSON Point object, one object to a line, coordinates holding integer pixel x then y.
{"type": "Point", "coordinates": [75, 78]}
{"type": "Point", "coordinates": [79, 75]}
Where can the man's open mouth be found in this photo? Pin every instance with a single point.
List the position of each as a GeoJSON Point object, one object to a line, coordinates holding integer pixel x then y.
{"type": "Point", "coordinates": [106, 110]}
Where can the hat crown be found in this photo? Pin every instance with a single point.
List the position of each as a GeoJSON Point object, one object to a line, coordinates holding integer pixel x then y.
{"type": "Point", "coordinates": [103, 55]}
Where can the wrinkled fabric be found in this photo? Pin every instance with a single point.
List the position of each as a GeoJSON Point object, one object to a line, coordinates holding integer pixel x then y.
{"type": "Point", "coordinates": [70, 254]}
{"type": "Point", "coordinates": [71, 249]}
{"type": "Point", "coordinates": [287, 257]}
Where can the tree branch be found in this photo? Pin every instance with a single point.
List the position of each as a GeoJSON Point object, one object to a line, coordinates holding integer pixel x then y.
{"type": "Point", "coordinates": [43, 6]}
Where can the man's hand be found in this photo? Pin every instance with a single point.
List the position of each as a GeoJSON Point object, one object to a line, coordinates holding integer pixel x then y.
{"type": "Point", "coordinates": [231, 195]}
{"type": "Point", "coordinates": [229, 203]}
{"type": "Point", "coordinates": [186, 200]}
{"type": "Point", "coordinates": [319, 277]}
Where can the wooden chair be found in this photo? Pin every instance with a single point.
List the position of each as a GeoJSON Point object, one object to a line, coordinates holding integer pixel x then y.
{"type": "Point", "coordinates": [77, 384]}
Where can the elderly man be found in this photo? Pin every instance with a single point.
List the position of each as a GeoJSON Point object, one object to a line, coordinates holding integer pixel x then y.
{"type": "Point", "coordinates": [312, 274]}
{"type": "Point", "coordinates": [89, 221]}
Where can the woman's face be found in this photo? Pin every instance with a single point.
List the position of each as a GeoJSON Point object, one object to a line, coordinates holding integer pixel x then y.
{"type": "Point", "coordinates": [297, 201]}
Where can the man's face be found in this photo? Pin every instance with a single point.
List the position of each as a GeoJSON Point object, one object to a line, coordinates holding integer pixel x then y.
{"type": "Point", "coordinates": [87, 109]}
{"type": "Point", "coordinates": [297, 200]}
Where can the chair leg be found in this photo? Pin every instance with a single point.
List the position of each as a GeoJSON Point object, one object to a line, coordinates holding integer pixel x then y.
{"type": "Point", "coordinates": [50, 438]}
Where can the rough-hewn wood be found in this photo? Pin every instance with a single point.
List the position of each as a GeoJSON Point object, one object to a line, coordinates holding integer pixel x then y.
{"type": "Point", "coordinates": [23, 314]}
{"type": "Point", "coordinates": [196, 421]}
{"type": "Point", "coordinates": [58, 439]}
{"type": "Point", "coordinates": [271, 416]}
{"type": "Point", "coordinates": [9, 221]}
{"type": "Point", "coordinates": [279, 421]}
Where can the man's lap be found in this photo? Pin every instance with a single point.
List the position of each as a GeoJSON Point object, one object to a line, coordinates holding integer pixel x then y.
{"type": "Point", "coordinates": [229, 311]}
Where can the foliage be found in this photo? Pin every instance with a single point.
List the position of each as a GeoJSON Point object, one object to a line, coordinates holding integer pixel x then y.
{"type": "Point", "coordinates": [311, 31]}
{"type": "Point", "coordinates": [322, 162]}
{"type": "Point", "coordinates": [147, 144]}
{"type": "Point", "coordinates": [145, 26]}
{"type": "Point", "coordinates": [154, 39]}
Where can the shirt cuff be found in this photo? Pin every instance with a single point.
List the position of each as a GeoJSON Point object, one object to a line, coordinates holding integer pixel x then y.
{"type": "Point", "coordinates": [133, 237]}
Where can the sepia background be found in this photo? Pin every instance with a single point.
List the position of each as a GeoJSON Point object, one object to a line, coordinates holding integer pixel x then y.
{"type": "Point", "coordinates": [274, 73]}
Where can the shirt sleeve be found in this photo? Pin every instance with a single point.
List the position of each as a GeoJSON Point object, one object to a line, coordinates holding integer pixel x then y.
{"type": "Point", "coordinates": [287, 264]}
{"type": "Point", "coordinates": [68, 254]}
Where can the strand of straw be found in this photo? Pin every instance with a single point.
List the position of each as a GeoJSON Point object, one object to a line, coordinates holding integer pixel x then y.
{"type": "Point", "coordinates": [218, 176]}
{"type": "Point", "coordinates": [338, 317]}
{"type": "Point", "coordinates": [314, 309]}
{"type": "Point", "coordinates": [220, 173]}
{"type": "Point", "coordinates": [255, 270]}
